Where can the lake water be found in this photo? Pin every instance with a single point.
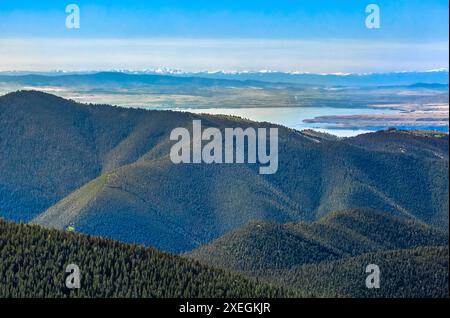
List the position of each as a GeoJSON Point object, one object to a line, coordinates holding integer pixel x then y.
{"type": "Point", "coordinates": [293, 117]}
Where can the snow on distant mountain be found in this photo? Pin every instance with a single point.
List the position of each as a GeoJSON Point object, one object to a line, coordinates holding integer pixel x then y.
{"type": "Point", "coordinates": [437, 76]}
{"type": "Point", "coordinates": [335, 79]}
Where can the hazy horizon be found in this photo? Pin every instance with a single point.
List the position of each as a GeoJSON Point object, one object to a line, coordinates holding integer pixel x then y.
{"type": "Point", "coordinates": [322, 37]}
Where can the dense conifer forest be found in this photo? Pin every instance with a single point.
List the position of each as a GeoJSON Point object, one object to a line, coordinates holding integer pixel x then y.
{"type": "Point", "coordinates": [34, 259]}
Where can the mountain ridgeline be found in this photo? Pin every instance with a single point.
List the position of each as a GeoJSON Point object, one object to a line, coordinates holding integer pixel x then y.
{"type": "Point", "coordinates": [437, 77]}
{"type": "Point", "coordinates": [329, 257]}
{"type": "Point", "coordinates": [106, 171]}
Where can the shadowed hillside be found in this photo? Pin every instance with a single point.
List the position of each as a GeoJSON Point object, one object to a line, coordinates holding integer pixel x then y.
{"type": "Point", "coordinates": [51, 146]}
{"type": "Point", "coordinates": [413, 273]}
{"type": "Point", "coordinates": [263, 246]}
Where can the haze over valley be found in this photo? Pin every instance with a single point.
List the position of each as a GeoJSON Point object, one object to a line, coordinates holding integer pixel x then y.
{"type": "Point", "coordinates": [342, 105]}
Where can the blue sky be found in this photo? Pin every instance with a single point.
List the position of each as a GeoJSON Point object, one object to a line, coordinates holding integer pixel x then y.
{"type": "Point", "coordinates": [313, 36]}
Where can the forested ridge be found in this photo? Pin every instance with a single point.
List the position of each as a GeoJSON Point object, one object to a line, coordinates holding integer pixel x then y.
{"type": "Point", "coordinates": [34, 259]}
{"type": "Point", "coordinates": [103, 170]}
{"type": "Point", "coordinates": [106, 171]}
{"type": "Point", "coordinates": [268, 245]}
{"type": "Point", "coordinates": [420, 272]}
{"type": "Point", "coordinates": [328, 257]}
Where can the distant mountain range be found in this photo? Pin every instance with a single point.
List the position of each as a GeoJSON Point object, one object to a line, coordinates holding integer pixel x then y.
{"type": "Point", "coordinates": [370, 79]}
{"type": "Point", "coordinates": [118, 78]}
{"type": "Point", "coordinates": [228, 78]}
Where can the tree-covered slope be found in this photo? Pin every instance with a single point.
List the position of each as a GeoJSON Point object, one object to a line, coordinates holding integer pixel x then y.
{"type": "Point", "coordinates": [424, 144]}
{"type": "Point", "coordinates": [412, 273]}
{"type": "Point", "coordinates": [50, 147]}
{"type": "Point", "coordinates": [106, 171]}
{"type": "Point", "coordinates": [263, 245]}
{"type": "Point", "coordinates": [34, 259]}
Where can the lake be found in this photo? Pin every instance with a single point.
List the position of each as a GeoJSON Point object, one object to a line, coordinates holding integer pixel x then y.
{"type": "Point", "coordinates": [293, 117]}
